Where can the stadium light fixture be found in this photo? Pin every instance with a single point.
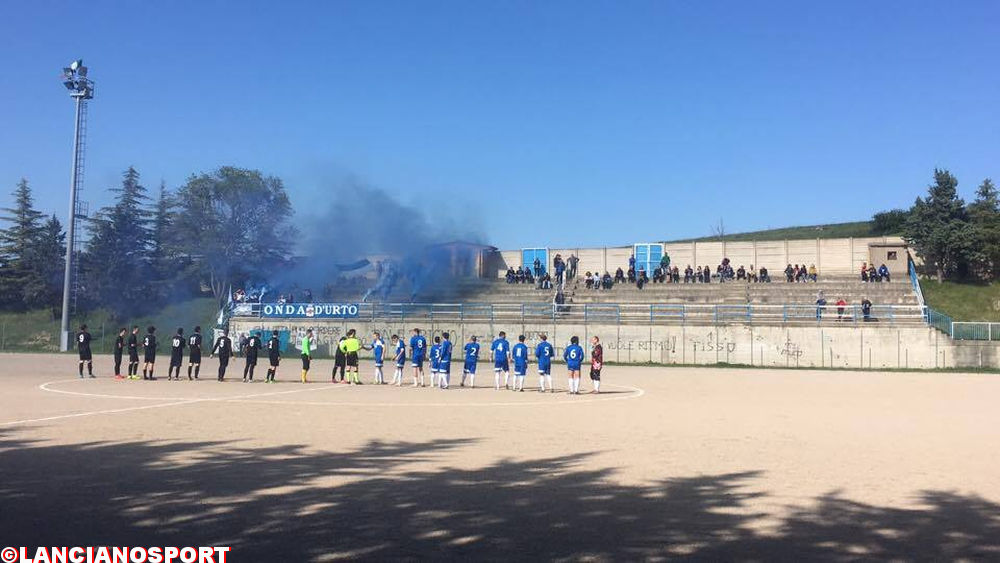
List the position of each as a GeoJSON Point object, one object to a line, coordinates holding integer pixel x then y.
{"type": "Point", "coordinates": [80, 89]}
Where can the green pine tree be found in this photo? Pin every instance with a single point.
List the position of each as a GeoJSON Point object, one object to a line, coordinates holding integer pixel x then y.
{"type": "Point", "coordinates": [24, 227]}
{"type": "Point", "coordinates": [116, 265]}
{"type": "Point", "coordinates": [984, 214]}
{"type": "Point", "coordinates": [937, 227]}
{"type": "Point", "coordinates": [48, 256]}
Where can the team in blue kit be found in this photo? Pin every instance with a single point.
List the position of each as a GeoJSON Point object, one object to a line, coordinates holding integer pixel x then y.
{"type": "Point", "coordinates": [520, 355]}
{"type": "Point", "coordinates": [418, 347]}
{"type": "Point", "coordinates": [500, 355]}
{"type": "Point", "coordinates": [574, 359]}
{"type": "Point", "coordinates": [399, 356]}
{"type": "Point", "coordinates": [435, 360]}
{"type": "Point", "coordinates": [544, 354]}
{"type": "Point", "coordinates": [444, 361]}
{"type": "Point", "coordinates": [378, 352]}
{"type": "Point", "coordinates": [471, 359]}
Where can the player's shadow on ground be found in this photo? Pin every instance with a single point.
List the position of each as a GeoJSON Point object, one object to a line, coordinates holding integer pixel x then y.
{"type": "Point", "coordinates": [382, 501]}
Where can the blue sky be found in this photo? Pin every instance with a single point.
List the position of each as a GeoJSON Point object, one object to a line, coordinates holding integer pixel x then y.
{"type": "Point", "coordinates": [536, 123]}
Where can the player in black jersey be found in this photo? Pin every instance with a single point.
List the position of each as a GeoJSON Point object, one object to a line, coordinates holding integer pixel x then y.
{"type": "Point", "coordinates": [149, 347]}
{"type": "Point", "coordinates": [133, 353]}
{"type": "Point", "coordinates": [273, 355]}
{"type": "Point", "coordinates": [224, 346]}
{"type": "Point", "coordinates": [83, 347]}
{"type": "Point", "coordinates": [250, 352]}
{"type": "Point", "coordinates": [119, 349]}
{"type": "Point", "coordinates": [176, 355]}
{"type": "Point", "coordinates": [194, 358]}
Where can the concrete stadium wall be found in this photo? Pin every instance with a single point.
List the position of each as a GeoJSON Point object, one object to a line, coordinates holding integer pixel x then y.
{"type": "Point", "coordinates": [842, 256]}
{"type": "Point", "coordinates": [846, 347]}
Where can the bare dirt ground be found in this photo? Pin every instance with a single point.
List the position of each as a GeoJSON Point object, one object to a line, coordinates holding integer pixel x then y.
{"type": "Point", "coordinates": [710, 464]}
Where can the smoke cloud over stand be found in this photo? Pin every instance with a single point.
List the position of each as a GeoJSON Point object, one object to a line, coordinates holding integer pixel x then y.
{"type": "Point", "coordinates": [353, 222]}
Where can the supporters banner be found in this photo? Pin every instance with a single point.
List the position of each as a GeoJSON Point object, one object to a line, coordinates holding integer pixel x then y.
{"type": "Point", "coordinates": [309, 310]}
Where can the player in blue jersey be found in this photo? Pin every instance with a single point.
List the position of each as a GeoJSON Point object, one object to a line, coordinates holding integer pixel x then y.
{"type": "Point", "coordinates": [444, 361]}
{"type": "Point", "coordinates": [378, 354]}
{"type": "Point", "coordinates": [544, 353]}
{"type": "Point", "coordinates": [520, 355]}
{"type": "Point", "coordinates": [500, 355]}
{"type": "Point", "coordinates": [574, 358]}
{"type": "Point", "coordinates": [471, 360]}
{"type": "Point", "coordinates": [418, 347]}
{"type": "Point", "coordinates": [400, 359]}
{"type": "Point", "coordinates": [435, 360]}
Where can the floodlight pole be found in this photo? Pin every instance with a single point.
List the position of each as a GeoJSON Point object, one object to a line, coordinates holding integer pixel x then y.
{"type": "Point", "coordinates": [70, 230]}
{"type": "Point", "coordinates": [81, 90]}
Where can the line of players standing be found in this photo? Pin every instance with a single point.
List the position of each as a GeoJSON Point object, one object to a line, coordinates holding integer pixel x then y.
{"type": "Point", "coordinates": [502, 355]}
{"type": "Point", "coordinates": [129, 343]}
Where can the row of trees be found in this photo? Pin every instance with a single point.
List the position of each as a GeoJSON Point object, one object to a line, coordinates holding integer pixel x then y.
{"type": "Point", "coordinates": [954, 239]}
{"type": "Point", "coordinates": [144, 251]}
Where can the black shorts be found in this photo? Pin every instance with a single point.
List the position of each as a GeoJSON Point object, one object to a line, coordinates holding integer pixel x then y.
{"type": "Point", "coordinates": [352, 359]}
{"type": "Point", "coordinates": [194, 358]}
{"type": "Point", "coordinates": [224, 360]}
{"type": "Point", "coordinates": [305, 362]}
{"type": "Point", "coordinates": [252, 360]}
{"type": "Point", "coordinates": [595, 374]}
{"type": "Point", "coordinates": [133, 356]}
{"type": "Point", "coordinates": [150, 357]}
{"type": "Point", "coordinates": [274, 360]}
{"type": "Point", "coordinates": [176, 360]}
{"type": "Point", "coordinates": [85, 355]}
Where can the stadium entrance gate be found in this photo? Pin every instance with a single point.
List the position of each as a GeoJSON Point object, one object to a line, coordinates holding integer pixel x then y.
{"type": "Point", "coordinates": [647, 257]}
{"type": "Point", "coordinates": [528, 256]}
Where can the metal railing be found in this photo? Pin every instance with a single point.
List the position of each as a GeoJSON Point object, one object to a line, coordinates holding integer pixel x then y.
{"type": "Point", "coordinates": [638, 313]}
{"type": "Point", "coordinates": [975, 331]}
{"type": "Point", "coordinates": [915, 282]}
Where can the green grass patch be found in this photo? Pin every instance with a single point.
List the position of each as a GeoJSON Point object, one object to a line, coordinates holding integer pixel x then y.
{"type": "Point", "coordinates": [833, 230]}
{"type": "Point", "coordinates": [963, 301]}
{"type": "Point", "coordinates": [38, 331]}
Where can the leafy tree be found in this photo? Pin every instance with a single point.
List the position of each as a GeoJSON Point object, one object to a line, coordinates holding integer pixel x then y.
{"type": "Point", "coordinates": [166, 267]}
{"type": "Point", "coordinates": [48, 257]}
{"type": "Point", "coordinates": [116, 266]}
{"type": "Point", "coordinates": [984, 214]}
{"type": "Point", "coordinates": [938, 227]}
{"type": "Point", "coordinates": [889, 222]}
{"type": "Point", "coordinates": [15, 245]}
{"type": "Point", "coordinates": [233, 224]}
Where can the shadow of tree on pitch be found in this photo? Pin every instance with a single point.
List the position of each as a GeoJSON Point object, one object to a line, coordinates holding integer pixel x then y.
{"type": "Point", "coordinates": [381, 501]}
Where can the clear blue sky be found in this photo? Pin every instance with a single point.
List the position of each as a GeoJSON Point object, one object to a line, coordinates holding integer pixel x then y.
{"type": "Point", "coordinates": [623, 121]}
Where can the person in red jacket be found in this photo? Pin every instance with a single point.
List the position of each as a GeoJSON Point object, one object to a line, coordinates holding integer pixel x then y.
{"type": "Point", "coordinates": [596, 362]}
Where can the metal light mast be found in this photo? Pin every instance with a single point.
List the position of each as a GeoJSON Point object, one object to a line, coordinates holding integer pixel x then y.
{"type": "Point", "coordinates": [80, 89]}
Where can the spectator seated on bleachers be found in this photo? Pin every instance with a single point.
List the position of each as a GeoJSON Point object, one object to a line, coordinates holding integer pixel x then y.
{"type": "Point", "coordinates": [741, 273]}
{"type": "Point", "coordinates": [641, 280]}
{"type": "Point", "coordinates": [763, 277]}
{"type": "Point", "coordinates": [675, 275]}
{"type": "Point", "coordinates": [873, 274]}
{"type": "Point", "coordinates": [864, 271]}
{"type": "Point", "coordinates": [706, 274]}
{"type": "Point", "coordinates": [619, 276]}
{"type": "Point", "coordinates": [658, 276]}
{"type": "Point", "coordinates": [751, 274]}
{"type": "Point", "coordinates": [883, 272]}
{"type": "Point", "coordinates": [631, 275]}
{"type": "Point", "coordinates": [790, 273]}
{"type": "Point", "coordinates": [597, 281]}
{"type": "Point", "coordinates": [607, 281]}
{"type": "Point", "coordinates": [813, 273]}
{"type": "Point", "coordinates": [511, 276]}
{"type": "Point", "coordinates": [589, 280]}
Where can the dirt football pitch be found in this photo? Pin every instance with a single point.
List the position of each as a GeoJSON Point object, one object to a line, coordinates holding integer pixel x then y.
{"type": "Point", "coordinates": [685, 463]}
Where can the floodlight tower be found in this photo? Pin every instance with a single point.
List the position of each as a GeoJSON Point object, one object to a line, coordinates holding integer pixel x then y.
{"type": "Point", "coordinates": [80, 89]}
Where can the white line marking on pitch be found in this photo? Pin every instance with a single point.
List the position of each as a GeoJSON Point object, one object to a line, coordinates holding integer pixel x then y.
{"type": "Point", "coordinates": [170, 404]}
{"type": "Point", "coordinates": [636, 393]}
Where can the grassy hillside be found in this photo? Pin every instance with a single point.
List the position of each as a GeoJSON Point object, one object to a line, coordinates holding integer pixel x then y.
{"type": "Point", "coordinates": [834, 230]}
{"type": "Point", "coordinates": [37, 331]}
{"type": "Point", "coordinates": [963, 302]}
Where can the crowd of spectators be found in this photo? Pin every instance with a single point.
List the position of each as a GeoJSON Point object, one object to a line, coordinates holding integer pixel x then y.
{"type": "Point", "coordinates": [871, 274]}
